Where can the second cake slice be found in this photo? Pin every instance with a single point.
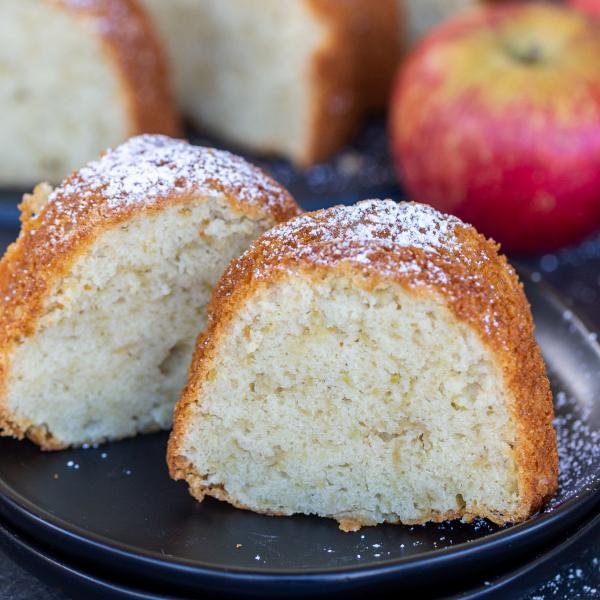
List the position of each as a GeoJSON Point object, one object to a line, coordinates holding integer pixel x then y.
{"type": "Point", "coordinates": [104, 292]}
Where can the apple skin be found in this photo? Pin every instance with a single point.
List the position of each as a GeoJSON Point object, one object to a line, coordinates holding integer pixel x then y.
{"type": "Point", "coordinates": [495, 117]}
{"type": "Point", "coordinates": [591, 7]}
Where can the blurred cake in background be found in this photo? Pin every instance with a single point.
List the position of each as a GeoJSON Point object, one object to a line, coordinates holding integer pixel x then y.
{"type": "Point", "coordinates": [75, 78]}
{"type": "Point", "coordinates": [287, 78]}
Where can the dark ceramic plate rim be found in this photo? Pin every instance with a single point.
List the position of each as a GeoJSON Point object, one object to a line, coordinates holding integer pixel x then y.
{"type": "Point", "coordinates": [506, 580]}
{"type": "Point", "coordinates": [586, 497]}
{"type": "Point", "coordinates": [512, 577]}
{"type": "Point", "coordinates": [589, 496]}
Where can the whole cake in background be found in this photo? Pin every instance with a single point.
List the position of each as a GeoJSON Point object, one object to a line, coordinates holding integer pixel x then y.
{"type": "Point", "coordinates": [75, 78]}
{"type": "Point", "coordinates": [373, 363]}
{"type": "Point", "coordinates": [291, 78]}
{"type": "Point", "coordinates": [104, 291]}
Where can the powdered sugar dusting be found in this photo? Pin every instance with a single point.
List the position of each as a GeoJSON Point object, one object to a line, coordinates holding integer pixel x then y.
{"type": "Point", "coordinates": [383, 221]}
{"type": "Point", "coordinates": [361, 232]}
{"type": "Point", "coordinates": [382, 234]}
{"type": "Point", "coordinates": [148, 168]}
{"type": "Point", "coordinates": [152, 166]}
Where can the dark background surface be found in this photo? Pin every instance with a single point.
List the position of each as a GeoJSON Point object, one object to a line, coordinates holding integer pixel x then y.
{"type": "Point", "coordinates": [363, 171]}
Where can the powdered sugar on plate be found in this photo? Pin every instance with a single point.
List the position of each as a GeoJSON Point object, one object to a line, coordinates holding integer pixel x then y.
{"type": "Point", "coordinates": [578, 449]}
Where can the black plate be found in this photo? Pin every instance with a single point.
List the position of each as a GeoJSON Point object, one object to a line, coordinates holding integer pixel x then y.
{"type": "Point", "coordinates": [115, 508]}
{"type": "Point", "coordinates": [80, 583]}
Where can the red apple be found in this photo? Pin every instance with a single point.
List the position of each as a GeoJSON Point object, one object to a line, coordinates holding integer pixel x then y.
{"type": "Point", "coordinates": [590, 6]}
{"type": "Point", "coordinates": [495, 117]}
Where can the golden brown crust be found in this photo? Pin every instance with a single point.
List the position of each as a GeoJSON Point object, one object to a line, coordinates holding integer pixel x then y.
{"type": "Point", "coordinates": [352, 72]}
{"type": "Point", "coordinates": [131, 42]}
{"type": "Point", "coordinates": [446, 258]}
{"type": "Point", "coordinates": [144, 175]}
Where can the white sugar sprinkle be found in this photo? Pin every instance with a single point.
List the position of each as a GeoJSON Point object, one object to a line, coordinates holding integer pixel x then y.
{"type": "Point", "coordinates": [362, 232]}
{"type": "Point", "coordinates": [384, 221]}
{"type": "Point", "coordinates": [149, 167]}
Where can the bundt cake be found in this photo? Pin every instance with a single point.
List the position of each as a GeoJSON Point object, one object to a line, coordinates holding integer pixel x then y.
{"type": "Point", "coordinates": [105, 289]}
{"type": "Point", "coordinates": [290, 78]}
{"type": "Point", "coordinates": [75, 78]}
{"type": "Point", "coordinates": [373, 363]}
